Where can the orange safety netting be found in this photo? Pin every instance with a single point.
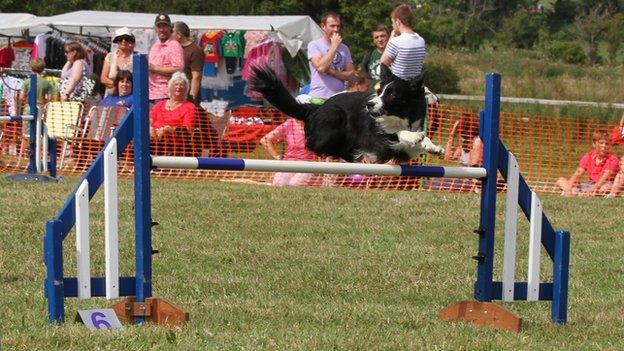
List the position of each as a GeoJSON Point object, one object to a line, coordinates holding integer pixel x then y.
{"type": "Point", "coordinates": [547, 147]}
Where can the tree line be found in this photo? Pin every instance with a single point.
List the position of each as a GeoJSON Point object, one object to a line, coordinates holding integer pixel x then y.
{"type": "Point", "coordinates": [573, 31]}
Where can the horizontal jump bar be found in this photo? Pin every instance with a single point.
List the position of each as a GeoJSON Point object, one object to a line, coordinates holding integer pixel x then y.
{"type": "Point", "coordinates": [16, 118]}
{"type": "Point", "coordinates": [236, 164]}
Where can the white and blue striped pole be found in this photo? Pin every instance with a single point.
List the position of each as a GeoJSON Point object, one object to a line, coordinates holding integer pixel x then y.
{"type": "Point", "coordinates": [18, 118]}
{"type": "Point", "coordinates": [233, 164]}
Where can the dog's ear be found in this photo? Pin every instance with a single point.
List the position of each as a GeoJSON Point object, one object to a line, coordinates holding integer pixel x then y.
{"type": "Point", "coordinates": [385, 74]}
{"type": "Point", "coordinates": [418, 81]}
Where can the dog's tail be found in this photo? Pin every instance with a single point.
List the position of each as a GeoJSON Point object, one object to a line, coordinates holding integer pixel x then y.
{"type": "Point", "coordinates": [265, 81]}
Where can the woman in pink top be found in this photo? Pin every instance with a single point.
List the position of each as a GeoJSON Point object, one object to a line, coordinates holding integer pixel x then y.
{"type": "Point", "coordinates": [600, 165]}
{"type": "Point", "coordinates": [175, 112]}
{"type": "Point", "coordinates": [292, 134]}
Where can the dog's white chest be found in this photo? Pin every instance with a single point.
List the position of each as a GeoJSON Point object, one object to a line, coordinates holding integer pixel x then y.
{"type": "Point", "coordinates": [392, 124]}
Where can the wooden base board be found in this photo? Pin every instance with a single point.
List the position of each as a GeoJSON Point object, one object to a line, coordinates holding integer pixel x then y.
{"type": "Point", "coordinates": [482, 314]}
{"type": "Point", "coordinates": [155, 310]}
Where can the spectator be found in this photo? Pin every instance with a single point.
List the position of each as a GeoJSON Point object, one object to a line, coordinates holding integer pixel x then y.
{"type": "Point", "coordinates": [193, 59]}
{"type": "Point", "coordinates": [361, 82]}
{"type": "Point", "coordinates": [468, 151]}
{"type": "Point", "coordinates": [292, 134]}
{"type": "Point", "coordinates": [72, 86]}
{"type": "Point", "coordinates": [122, 92]}
{"type": "Point", "coordinates": [165, 58]}
{"type": "Point", "coordinates": [44, 87]}
{"type": "Point", "coordinates": [330, 61]}
{"type": "Point", "coordinates": [370, 62]}
{"type": "Point", "coordinates": [618, 182]}
{"type": "Point", "coordinates": [618, 133]}
{"type": "Point", "coordinates": [601, 166]}
{"type": "Point", "coordinates": [121, 59]}
{"type": "Point", "coordinates": [405, 52]}
{"type": "Point", "coordinates": [175, 112]}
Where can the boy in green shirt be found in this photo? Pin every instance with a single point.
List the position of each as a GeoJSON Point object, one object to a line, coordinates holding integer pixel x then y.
{"type": "Point", "coordinates": [44, 87]}
{"type": "Point", "coordinates": [370, 62]}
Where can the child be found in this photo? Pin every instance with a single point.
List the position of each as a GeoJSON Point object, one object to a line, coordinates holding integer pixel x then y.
{"type": "Point", "coordinates": [601, 166]}
{"type": "Point", "coordinates": [468, 151]}
{"type": "Point", "coordinates": [292, 134]}
{"type": "Point", "coordinates": [405, 52]}
{"type": "Point", "coordinates": [361, 82]}
{"type": "Point", "coordinates": [44, 87]}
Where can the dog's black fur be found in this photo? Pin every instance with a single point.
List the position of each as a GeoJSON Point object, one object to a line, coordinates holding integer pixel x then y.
{"type": "Point", "coordinates": [403, 98]}
{"type": "Point", "coordinates": [344, 126]}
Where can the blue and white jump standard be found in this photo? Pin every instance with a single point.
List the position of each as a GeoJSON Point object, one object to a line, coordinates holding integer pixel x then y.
{"type": "Point", "coordinates": [42, 150]}
{"type": "Point", "coordinates": [141, 307]}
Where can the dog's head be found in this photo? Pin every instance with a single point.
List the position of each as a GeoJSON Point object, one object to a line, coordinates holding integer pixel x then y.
{"type": "Point", "coordinates": [397, 97]}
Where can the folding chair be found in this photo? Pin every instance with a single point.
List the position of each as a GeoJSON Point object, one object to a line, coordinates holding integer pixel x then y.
{"type": "Point", "coordinates": [98, 128]}
{"type": "Point", "coordinates": [62, 119]}
{"type": "Point", "coordinates": [101, 121]}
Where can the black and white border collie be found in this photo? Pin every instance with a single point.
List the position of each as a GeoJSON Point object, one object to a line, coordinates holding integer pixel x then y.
{"type": "Point", "coordinates": [382, 127]}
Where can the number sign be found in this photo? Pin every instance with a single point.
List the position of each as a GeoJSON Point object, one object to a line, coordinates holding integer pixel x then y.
{"type": "Point", "coordinates": [104, 319]}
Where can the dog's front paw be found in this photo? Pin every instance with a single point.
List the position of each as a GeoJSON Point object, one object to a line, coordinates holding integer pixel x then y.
{"type": "Point", "coordinates": [410, 138]}
{"type": "Point", "coordinates": [432, 148]}
{"type": "Point", "coordinates": [436, 150]}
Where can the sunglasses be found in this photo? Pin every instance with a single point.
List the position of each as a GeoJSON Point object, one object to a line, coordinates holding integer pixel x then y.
{"type": "Point", "coordinates": [127, 38]}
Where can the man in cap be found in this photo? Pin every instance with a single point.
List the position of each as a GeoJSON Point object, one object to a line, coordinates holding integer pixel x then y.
{"type": "Point", "coordinates": [165, 58]}
{"type": "Point", "coordinates": [193, 58]}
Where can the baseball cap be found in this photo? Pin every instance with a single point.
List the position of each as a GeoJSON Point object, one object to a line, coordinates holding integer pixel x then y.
{"type": "Point", "coordinates": [122, 32]}
{"type": "Point", "coordinates": [162, 18]}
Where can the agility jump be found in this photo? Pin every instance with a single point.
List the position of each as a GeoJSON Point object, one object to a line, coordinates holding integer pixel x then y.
{"type": "Point", "coordinates": [141, 307]}
{"type": "Point", "coordinates": [42, 150]}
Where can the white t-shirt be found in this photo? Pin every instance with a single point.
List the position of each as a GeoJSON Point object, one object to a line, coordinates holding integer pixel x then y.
{"type": "Point", "coordinates": [407, 52]}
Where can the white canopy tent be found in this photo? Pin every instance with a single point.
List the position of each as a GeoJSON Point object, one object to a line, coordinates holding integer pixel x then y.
{"type": "Point", "coordinates": [293, 31]}
{"type": "Point", "coordinates": [12, 24]}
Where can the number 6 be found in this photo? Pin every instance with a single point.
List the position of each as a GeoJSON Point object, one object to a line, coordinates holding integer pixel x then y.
{"type": "Point", "coordinates": [98, 322]}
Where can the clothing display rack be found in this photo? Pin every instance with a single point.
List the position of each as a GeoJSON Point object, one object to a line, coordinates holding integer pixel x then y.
{"type": "Point", "coordinates": [27, 73]}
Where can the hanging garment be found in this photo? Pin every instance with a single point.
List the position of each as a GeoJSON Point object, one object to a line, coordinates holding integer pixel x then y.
{"type": "Point", "coordinates": [266, 54]}
{"type": "Point", "coordinates": [7, 55]}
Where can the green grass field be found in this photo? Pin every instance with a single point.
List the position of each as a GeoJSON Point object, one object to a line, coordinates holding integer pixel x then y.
{"type": "Point", "coordinates": [282, 268]}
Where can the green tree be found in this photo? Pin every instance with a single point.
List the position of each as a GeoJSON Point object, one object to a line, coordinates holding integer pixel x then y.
{"type": "Point", "coordinates": [614, 35]}
{"type": "Point", "coordinates": [448, 23]}
{"type": "Point", "coordinates": [591, 28]}
{"type": "Point", "coordinates": [446, 30]}
{"type": "Point", "coordinates": [359, 17]}
{"type": "Point", "coordinates": [522, 29]}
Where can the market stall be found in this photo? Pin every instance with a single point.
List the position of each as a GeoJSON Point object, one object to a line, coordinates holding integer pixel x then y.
{"type": "Point", "coordinates": [275, 41]}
